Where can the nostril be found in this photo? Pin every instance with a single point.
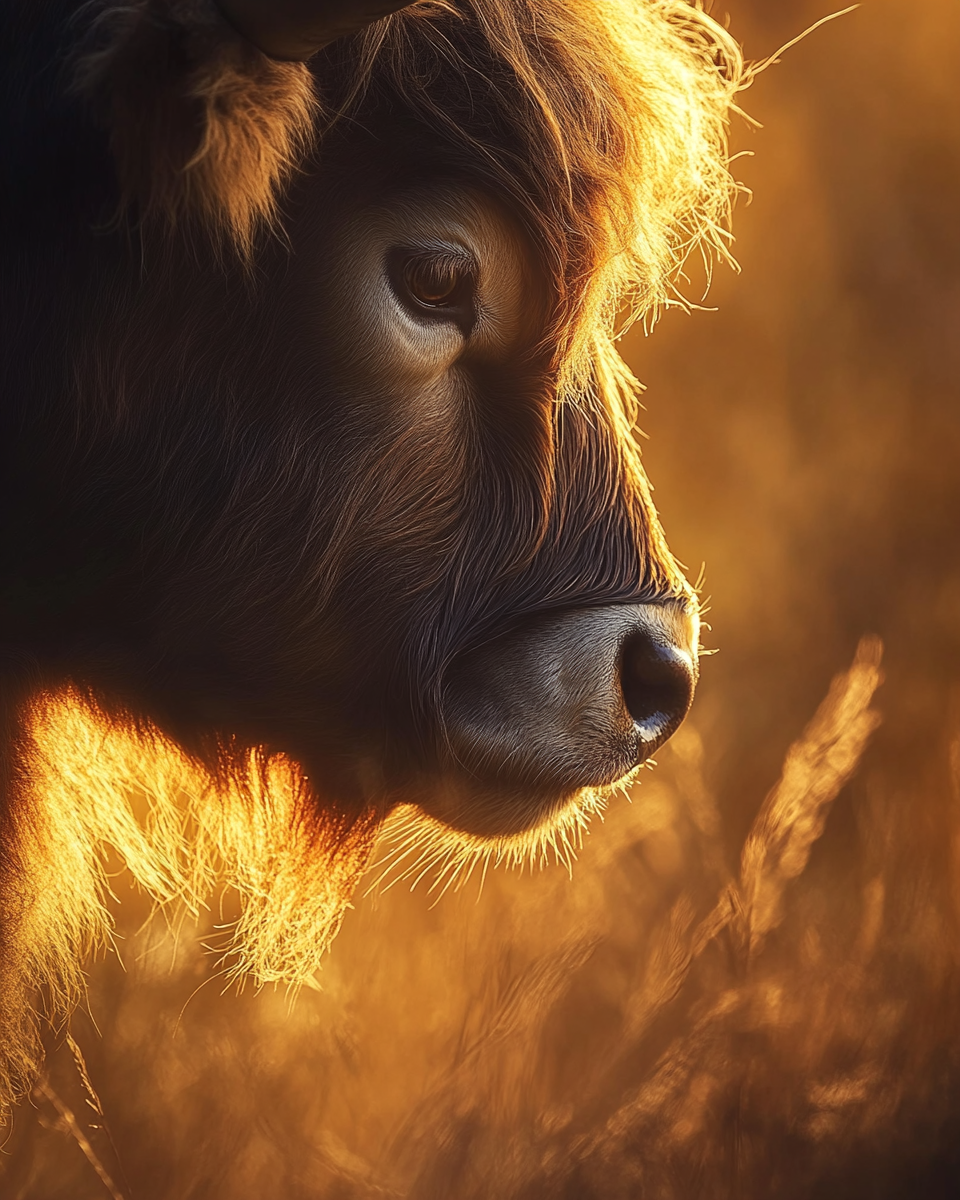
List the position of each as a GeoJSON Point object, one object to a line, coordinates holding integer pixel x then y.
{"type": "Point", "coordinates": [657, 680]}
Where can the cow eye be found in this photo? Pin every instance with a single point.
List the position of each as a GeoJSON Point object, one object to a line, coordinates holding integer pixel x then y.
{"type": "Point", "coordinates": [436, 282]}
{"type": "Point", "coordinates": [441, 281]}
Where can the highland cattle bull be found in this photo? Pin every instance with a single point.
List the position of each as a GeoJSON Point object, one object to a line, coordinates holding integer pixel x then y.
{"type": "Point", "coordinates": [315, 441]}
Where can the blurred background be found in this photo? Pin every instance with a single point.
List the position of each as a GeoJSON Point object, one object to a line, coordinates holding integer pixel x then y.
{"type": "Point", "coordinates": [677, 1021]}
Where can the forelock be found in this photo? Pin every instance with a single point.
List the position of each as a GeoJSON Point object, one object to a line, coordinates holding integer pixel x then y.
{"type": "Point", "coordinates": [602, 121]}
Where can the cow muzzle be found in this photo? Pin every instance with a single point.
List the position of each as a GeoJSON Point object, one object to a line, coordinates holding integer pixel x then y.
{"type": "Point", "coordinates": [569, 701]}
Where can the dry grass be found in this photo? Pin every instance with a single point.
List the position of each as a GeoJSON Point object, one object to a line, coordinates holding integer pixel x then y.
{"type": "Point", "coordinates": [623, 1035]}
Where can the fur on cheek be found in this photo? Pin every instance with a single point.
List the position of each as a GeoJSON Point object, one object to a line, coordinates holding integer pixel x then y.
{"type": "Point", "coordinates": [204, 128]}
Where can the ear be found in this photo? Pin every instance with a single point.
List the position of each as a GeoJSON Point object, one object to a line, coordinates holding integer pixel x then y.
{"type": "Point", "coordinates": [204, 127]}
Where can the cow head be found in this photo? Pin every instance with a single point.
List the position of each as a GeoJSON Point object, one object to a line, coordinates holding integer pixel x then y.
{"type": "Point", "coordinates": [364, 489]}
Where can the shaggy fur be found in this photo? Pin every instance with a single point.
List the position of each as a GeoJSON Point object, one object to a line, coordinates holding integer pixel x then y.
{"type": "Point", "coordinates": [205, 548]}
{"type": "Point", "coordinates": [96, 788]}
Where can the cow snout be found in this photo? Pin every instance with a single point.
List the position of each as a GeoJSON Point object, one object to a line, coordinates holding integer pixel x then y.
{"type": "Point", "coordinates": [569, 701]}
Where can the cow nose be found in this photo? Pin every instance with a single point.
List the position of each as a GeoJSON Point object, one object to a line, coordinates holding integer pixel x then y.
{"type": "Point", "coordinates": [570, 700]}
